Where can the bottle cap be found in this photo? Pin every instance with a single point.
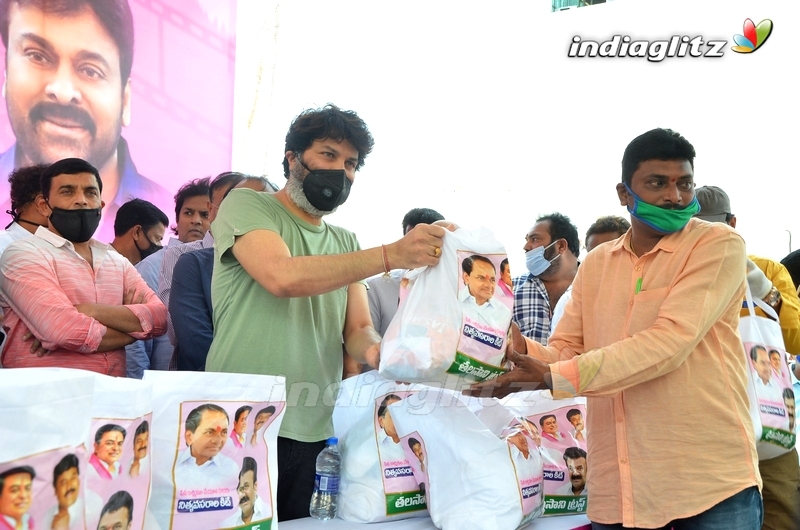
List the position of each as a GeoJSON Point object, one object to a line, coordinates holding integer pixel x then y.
{"type": "Point", "coordinates": [332, 441]}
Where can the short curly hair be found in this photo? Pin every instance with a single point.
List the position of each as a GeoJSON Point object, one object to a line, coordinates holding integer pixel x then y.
{"type": "Point", "coordinates": [328, 122]}
{"type": "Point", "coordinates": [25, 186]}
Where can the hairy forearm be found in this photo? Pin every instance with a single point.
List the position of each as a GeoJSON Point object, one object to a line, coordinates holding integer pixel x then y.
{"type": "Point", "coordinates": [267, 259]}
{"type": "Point", "coordinates": [300, 276]}
{"type": "Point", "coordinates": [117, 317]}
{"type": "Point", "coordinates": [114, 340]}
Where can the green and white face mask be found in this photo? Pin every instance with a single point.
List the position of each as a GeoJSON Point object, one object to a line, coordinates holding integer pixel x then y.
{"type": "Point", "coordinates": [662, 220]}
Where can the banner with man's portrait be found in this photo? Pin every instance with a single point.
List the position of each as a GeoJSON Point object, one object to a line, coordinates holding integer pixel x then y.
{"type": "Point", "coordinates": [142, 89]}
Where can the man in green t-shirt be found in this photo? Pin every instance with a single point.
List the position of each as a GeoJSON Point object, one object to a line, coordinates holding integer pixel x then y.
{"type": "Point", "coordinates": [288, 287]}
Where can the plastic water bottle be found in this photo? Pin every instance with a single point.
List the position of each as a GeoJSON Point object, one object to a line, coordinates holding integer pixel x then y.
{"type": "Point", "coordinates": [325, 499]}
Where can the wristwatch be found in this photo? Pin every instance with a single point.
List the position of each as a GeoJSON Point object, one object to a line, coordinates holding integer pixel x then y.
{"type": "Point", "coordinates": [773, 298]}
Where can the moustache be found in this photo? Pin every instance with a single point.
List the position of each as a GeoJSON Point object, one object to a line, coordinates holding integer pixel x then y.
{"type": "Point", "coordinates": [243, 499]}
{"type": "Point", "coordinates": [46, 110]}
{"type": "Point", "coordinates": [672, 206]}
{"type": "Point", "coordinates": [576, 477]}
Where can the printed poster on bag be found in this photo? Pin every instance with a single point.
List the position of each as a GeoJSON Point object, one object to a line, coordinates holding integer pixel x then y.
{"type": "Point", "coordinates": [773, 387]}
{"type": "Point", "coordinates": [47, 490]}
{"type": "Point", "coordinates": [528, 467]}
{"type": "Point", "coordinates": [399, 483]}
{"type": "Point", "coordinates": [486, 316]}
{"type": "Point", "coordinates": [220, 468]}
{"type": "Point", "coordinates": [417, 456]}
{"type": "Point", "coordinates": [560, 437]}
{"type": "Point", "coordinates": [119, 471]}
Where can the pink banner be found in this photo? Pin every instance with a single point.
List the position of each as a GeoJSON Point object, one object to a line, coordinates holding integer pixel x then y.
{"type": "Point", "coordinates": [67, 94]}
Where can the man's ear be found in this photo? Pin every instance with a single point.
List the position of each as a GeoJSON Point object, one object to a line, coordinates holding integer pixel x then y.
{"type": "Point", "coordinates": [622, 193]}
{"type": "Point", "coordinates": [732, 222]}
{"type": "Point", "coordinates": [42, 207]}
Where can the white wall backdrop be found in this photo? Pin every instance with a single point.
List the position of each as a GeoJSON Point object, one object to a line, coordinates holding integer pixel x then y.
{"type": "Point", "coordinates": [478, 112]}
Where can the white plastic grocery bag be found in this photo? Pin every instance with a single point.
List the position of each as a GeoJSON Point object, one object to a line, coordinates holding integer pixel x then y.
{"type": "Point", "coordinates": [119, 471]}
{"type": "Point", "coordinates": [46, 416]}
{"type": "Point", "coordinates": [454, 317]}
{"type": "Point", "coordinates": [557, 429]}
{"type": "Point", "coordinates": [772, 399]}
{"type": "Point", "coordinates": [377, 481]}
{"type": "Point", "coordinates": [214, 437]}
{"type": "Point", "coordinates": [476, 474]}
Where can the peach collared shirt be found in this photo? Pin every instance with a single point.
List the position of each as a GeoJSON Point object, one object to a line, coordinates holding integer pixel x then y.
{"type": "Point", "coordinates": [43, 278]}
{"type": "Point", "coordinates": [665, 374]}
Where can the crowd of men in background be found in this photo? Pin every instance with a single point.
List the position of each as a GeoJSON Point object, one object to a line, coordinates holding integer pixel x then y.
{"type": "Point", "coordinates": [239, 289]}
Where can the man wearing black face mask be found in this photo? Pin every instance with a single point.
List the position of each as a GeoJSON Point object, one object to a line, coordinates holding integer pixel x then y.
{"type": "Point", "coordinates": [138, 230]}
{"type": "Point", "coordinates": [83, 302]}
{"type": "Point", "coordinates": [288, 287]}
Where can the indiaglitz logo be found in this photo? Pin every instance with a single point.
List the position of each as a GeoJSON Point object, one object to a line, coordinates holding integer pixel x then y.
{"type": "Point", "coordinates": [754, 36]}
{"type": "Point", "coordinates": [675, 46]}
{"type": "Point", "coordinates": [655, 51]}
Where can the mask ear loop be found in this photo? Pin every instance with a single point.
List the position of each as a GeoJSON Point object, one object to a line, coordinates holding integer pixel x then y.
{"type": "Point", "coordinates": [136, 241]}
{"type": "Point", "coordinates": [557, 255]}
{"type": "Point", "coordinates": [14, 218]}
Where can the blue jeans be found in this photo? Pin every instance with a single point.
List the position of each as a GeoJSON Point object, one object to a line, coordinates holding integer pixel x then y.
{"type": "Point", "coordinates": [743, 511]}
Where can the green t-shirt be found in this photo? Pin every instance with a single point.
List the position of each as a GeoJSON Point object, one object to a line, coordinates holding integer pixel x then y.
{"type": "Point", "coordinates": [258, 333]}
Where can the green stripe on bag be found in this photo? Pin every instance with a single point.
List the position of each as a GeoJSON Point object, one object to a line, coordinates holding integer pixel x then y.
{"type": "Point", "coordinates": [470, 368]}
{"type": "Point", "coordinates": [411, 501]}
{"type": "Point", "coordinates": [563, 505]}
{"type": "Point", "coordinates": [778, 437]}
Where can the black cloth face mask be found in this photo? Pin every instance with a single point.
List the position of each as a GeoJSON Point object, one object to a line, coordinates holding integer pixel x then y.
{"type": "Point", "coordinates": [326, 189]}
{"type": "Point", "coordinates": [77, 226]}
{"type": "Point", "coordinates": [152, 249]}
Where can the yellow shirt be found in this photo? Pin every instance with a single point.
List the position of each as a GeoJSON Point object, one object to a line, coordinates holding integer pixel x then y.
{"type": "Point", "coordinates": [665, 374]}
{"type": "Point", "coordinates": [790, 305]}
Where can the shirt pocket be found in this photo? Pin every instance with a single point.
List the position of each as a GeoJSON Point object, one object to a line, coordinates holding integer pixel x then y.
{"type": "Point", "coordinates": [646, 306]}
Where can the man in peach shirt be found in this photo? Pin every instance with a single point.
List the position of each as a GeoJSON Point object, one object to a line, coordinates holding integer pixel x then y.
{"type": "Point", "coordinates": [81, 300]}
{"type": "Point", "coordinates": [650, 337]}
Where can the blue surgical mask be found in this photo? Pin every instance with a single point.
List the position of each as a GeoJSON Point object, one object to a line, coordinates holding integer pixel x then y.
{"type": "Point", "coordinates": [535, 260]}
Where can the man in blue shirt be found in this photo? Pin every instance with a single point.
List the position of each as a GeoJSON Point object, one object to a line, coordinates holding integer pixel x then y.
{"type": "Point", "coordinates": [536, 295]}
